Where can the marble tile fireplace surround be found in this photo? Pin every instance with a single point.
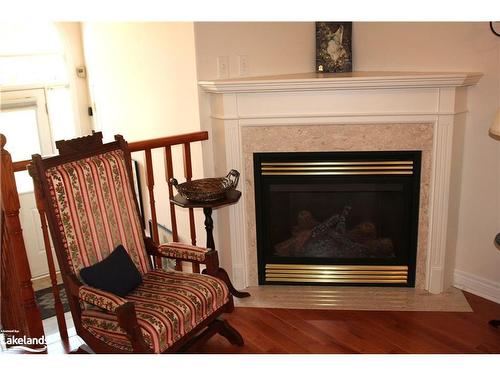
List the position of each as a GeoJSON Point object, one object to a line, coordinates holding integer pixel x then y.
{"type": "Point", "coordinates": [360, 111]}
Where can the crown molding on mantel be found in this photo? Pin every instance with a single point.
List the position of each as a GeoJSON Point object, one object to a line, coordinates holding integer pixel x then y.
{"type": "Point", "coordinates": [341, 81]}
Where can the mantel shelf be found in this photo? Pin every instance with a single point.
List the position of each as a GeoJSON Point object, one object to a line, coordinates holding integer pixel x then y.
{"type": "Point", "coordinates": [341, 81]}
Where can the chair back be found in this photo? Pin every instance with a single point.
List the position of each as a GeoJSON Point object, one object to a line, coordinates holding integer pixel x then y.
{"type": "Point", "coordinates": [90, 202]}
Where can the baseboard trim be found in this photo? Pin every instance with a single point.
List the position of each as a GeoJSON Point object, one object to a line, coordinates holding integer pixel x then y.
{"type": "Point", "coordinates": [477, 285]}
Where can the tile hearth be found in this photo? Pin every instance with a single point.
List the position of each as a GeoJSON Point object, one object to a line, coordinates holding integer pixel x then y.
{"type": "Point", "coordinates": [353, 298]}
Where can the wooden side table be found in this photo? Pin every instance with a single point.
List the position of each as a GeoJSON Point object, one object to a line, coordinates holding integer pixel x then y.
{"type": "Point", "coordinates": [231, 197]}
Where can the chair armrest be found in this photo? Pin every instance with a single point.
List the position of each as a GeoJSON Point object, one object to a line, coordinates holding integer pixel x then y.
{"type": "Point", "coordinates": [183, 251]}
{"type": "Point", "coordinates": [100, 298]}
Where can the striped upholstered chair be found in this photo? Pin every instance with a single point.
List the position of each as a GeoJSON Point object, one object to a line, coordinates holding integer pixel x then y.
{"type": "Point", "coordinates": [91, 209]}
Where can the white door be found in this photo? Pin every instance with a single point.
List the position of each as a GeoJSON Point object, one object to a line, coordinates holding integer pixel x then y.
{"type": "Point", "coordinates": [25, 124]}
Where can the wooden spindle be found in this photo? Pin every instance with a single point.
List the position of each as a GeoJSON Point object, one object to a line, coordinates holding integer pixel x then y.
{"type": "Point", "coordinates": [169, 173]}
{"type": "Point", "coordinates": [16, 250]}
{"type": "Point", "coordinates": [150, 182]}
{"type": "Point", "coordinates": [61, 321]}
{"type": "Point", "coordinates": [188, 173]}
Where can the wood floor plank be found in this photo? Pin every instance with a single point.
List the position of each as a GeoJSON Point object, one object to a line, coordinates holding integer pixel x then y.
{"type": "Point", "coordinates": [419, 335]}
{"type": "Point", "coordinates": [319, 340]}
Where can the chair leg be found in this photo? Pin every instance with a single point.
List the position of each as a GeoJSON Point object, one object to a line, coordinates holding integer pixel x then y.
{"type": "Point", "coordinates": [219, 326]}
{"type": "Point", "coordinates": [232, 335]}
{"type": "Point", "coordinates": [194, 343]}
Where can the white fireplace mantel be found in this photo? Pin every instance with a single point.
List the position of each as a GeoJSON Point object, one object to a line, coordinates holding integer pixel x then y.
{"type": "Point", "coordinates": [340, 81]}
{"type": "Point", "coordinates": [358, 98]}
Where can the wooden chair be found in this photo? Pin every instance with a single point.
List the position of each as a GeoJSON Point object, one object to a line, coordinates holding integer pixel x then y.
{"type": "Point", "coordinates": [91, 208]}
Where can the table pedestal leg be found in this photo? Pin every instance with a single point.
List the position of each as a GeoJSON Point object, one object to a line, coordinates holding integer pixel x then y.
{"type": "Point", "coordinates": [209, 227]}
{"type": "Point", "coordinates": [221, 272]}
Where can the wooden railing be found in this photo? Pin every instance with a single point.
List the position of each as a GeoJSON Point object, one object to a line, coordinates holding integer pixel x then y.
{"type": "Point", "coordinates": [21, 166]}
{"type": "Point", "coordinates": [19, 311]}
{"type": "Point", "coordinates": [146, 147]}
{"type": "Point", "coordinates": [166, 143]}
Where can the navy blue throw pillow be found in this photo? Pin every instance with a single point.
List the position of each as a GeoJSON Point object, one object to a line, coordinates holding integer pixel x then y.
{"type": "Point", "coordinates": [116, 273]}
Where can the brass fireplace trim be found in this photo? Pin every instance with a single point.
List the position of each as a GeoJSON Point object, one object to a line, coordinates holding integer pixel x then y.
{"type": "Point", "coordinates": [403, 167]}
{"type": "Point", "coordinates": [406, 162]}
{"type": "Point", "coordinates": [333, 173]}
{"type": "Point", "coordinates": [363, 167]}
{"type": "Point", "coordinates": [350, 281]}
{"type": "Point", "coordinates": [304, 273]}
{"type": "Point", "coordinates": [334, 267]}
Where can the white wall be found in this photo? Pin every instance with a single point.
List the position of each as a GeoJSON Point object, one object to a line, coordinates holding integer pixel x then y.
{"type": "Point", "coordinates": [271, 47]}
{"type": "Point", "coordinates": [71, 37]}
{"type": "Point", "coordinates": [142, 78]}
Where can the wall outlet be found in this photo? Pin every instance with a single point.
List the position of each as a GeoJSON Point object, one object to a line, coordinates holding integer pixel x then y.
{"type": "Point", "coordinates": [243, 64]}
{"type": "Point", "coordinates": [223, 67]}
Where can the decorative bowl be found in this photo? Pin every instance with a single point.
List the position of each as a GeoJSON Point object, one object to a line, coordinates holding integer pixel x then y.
{"type": "Point", "coordinates": [207, 189]}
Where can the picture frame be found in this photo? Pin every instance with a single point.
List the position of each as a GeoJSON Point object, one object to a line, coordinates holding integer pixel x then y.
{"type": "Point", "coordinates": [333, 47]}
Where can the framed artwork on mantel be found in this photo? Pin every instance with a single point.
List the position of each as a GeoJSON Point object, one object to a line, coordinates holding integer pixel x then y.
{"type": "Point", "coordinates": [333, 47]}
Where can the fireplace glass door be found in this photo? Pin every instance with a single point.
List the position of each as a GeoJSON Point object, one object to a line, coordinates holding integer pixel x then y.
{"type": "Point", "coordinates": [339, 218]}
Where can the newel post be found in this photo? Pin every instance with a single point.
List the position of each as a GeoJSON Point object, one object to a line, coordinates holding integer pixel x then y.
{"type": "Point", "coordinates": [29, 321]}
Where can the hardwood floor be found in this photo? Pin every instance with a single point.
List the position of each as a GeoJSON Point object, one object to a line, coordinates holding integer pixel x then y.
{"type": "Point", "coordinates": [280, 331]}
{"type": "Point", "coordinates": [340, 331]}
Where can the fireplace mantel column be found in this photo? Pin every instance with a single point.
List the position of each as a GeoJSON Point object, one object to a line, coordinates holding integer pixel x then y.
{"type": "Point", "coordinates": [439, 99]}
{"type": "Point", "coordinates": [441, 255]}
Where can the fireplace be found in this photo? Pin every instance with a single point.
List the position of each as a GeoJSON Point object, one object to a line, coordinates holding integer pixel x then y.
{"type": "Point", "coordinates": [348, 218]}
{"type": "Point", "coordinates": [358, 111]}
